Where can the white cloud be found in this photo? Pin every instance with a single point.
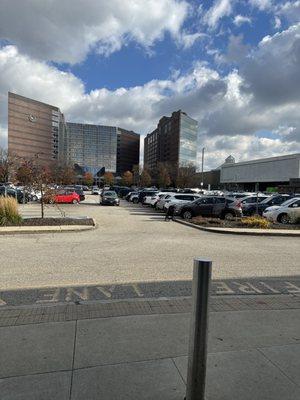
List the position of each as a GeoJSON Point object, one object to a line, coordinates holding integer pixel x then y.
{"type": "Point", "coordinates": [220, 9]}
{"type": "Point", "coordinates": [277, 22]}
{"type": "Point", "coordinates": [188, 39]}
{"type": "Point", "coordinates": [290, 10]}
{"type": "Point", "coordinates": [66, 31]}
{"type": "Point", "coordinates": [261, 94]}
{"type": "Point", "coordinates": [241, 19]}
{"type": "Point", "coordinates": [262, 4]}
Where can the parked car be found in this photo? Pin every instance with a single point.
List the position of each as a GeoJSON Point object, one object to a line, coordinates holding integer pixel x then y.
{"type": "Point", "coordinates": [147, 199]}
{"type": "Point", "coordinates": [76, 188]}
{"type": "Point", "coordinates": [179, 198]}
{"type": "Point", "coordinates": [276, 200]}
{"type": "Point", "coordinates": [288, 212]}
{"type": "Point", "coordinates": [96, 190]}
{"type": "Point", "coordinates": [210, 206]}
{"type": "Point", "coordinates": [253, 199]}
{"type": "Point", "coordinates": [19, 195]}
{"type": "Point", "coordinates": [161, 202]}
{"type": "Point", "coordinates": [134, 197]}
{"type": "Point", "coordinates": [62, 196]}
{"type": "Point", "coordinates": [109, 198]}
{"type": "Point", "coordinates": [153, 199]}
{"type": "Point", "coordinates": [144, 193]}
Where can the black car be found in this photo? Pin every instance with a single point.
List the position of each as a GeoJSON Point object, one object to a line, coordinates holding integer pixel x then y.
{"type": "Point", "coordinates": [276, 200]}
{"type": "Point", "coordinates": [17, 194]}
{"type": "Point", "coordinates": [109, 198]}
{"type": "Point", "coordinates": [211, 206]}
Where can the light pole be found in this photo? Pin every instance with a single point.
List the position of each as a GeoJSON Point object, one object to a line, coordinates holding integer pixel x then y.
{"type": "Point", "coordinates": [202, 172]}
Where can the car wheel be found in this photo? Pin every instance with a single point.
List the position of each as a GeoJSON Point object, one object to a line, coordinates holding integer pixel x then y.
{"type": "Point", "coordinates": [34, 198]}
{"type": "Point", "coordinates": [284, 219]}
{"type": "Point", "coordinates": [229, 216]}
{"type": "Point", "coordinates": [187, 215]}
{"type": "Point", "coordinates": [135, 201]}
{"type": "Point", "coordinates": [51, 201]}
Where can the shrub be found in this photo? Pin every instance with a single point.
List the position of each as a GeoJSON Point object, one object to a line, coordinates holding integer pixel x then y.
{"type": "Point", "coordinates": [255, 222]}
{"type": "Point", "coordinates": [9, 212]}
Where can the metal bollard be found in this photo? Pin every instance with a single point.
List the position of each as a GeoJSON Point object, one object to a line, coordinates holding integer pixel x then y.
{"type": "Point", "coordinates": [198, 331]}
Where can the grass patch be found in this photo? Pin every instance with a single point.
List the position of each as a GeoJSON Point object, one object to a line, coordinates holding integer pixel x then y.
{"type": "Point", "coordinates": [9, 211]}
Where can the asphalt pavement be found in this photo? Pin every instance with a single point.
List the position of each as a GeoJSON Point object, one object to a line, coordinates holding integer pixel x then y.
{"type": "Point", "coordinates": [135, 253]}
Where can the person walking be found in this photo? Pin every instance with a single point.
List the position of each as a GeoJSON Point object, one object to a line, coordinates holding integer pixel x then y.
{"type": "Point", "coordinates": [170, 213]}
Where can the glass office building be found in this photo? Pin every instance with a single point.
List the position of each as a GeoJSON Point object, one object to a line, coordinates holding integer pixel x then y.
{"type": "Point", "coordinates": [92, 147]}
{"type": "Point", "coordinates": [174, 141]}
{"type": "Point", "coordinates": [188, 140]}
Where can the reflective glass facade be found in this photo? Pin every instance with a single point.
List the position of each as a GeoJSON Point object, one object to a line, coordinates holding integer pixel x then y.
{"type": "Point", "coordinates": [92, 146]}
{"type": "Point", "coordinates": [174, 141]}
{"type": "Point", "coordinates": [188, 140]}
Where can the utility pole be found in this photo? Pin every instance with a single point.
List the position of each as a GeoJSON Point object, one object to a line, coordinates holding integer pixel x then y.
{"type": "Point", "coordinates": [202, 171]}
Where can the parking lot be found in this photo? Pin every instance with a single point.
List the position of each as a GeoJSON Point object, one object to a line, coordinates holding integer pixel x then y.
{"type": "Point", "coordinates": [133, 244]}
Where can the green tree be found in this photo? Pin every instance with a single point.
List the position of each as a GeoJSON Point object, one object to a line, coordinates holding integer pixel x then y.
{"type": "Point", "coordinates": [127, 178]}
{"type": "Point", "coordinates": [145, 178]}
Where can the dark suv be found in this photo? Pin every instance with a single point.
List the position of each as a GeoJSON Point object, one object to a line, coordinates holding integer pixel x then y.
{"type": "Point", "coordinates": [276, 200]}
{"type": "Point", "coordinates": [18, 194]}
{"type": "Point", "coordinates": [212, 206]}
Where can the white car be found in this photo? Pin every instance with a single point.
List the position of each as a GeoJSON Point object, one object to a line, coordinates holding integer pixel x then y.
{"type": "Point", "coordinates": [96, 190]}
{"type": "Point", "coordinates": [180, 198]}
{"type": "Point", "coordinates": [288, 212]}
{"type": "Point", "coordinates": [152, 200]}
{"type": "Point", "coordinates": [148, 199]}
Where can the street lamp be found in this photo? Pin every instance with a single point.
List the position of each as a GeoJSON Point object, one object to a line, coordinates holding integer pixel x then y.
{"type": "Point", "coordinates": [202, 172]}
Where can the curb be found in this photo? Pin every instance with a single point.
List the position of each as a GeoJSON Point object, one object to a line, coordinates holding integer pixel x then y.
{"type": "Point", "coordinates": [234, 231]}
{"type": "Point", "coordinates": [45, 229]}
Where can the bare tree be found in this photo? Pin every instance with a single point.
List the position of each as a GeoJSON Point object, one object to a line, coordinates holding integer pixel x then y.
{"type": "Point", "coordinates": [186, 175]}
{"type": "Point", "coordinates": [163, 176]}
{"type": "Point", "coordinates": [7, 165]}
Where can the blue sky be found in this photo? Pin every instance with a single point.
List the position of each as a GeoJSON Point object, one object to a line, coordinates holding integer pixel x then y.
{"type": "Point", "coordinates": [231, 64]}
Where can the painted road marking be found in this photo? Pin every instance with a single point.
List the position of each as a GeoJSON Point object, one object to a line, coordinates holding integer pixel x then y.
{"type": "Point", "coordinates": [147, 290]}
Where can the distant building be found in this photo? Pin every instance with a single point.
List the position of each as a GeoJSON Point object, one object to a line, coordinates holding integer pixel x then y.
{"type": "Point", "coordinates": [33, 128]}
{"type": "Point", "coordinates": [174, 141]}
{"type": "Point", "coordinates": [262, 173]}
{"type": "Point", "coordinates": [38, 128]}
{"type": "Point", "coordinates": [92, 147]}
{"type": "Point", "coordinates": [128, 150]}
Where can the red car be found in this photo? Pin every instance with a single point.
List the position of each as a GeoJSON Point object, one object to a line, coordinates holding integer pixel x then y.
{"type": "Point", "coordinates": [64, 196]}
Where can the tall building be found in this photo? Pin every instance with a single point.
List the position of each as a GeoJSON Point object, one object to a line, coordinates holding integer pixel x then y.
{"type": "Point", "coordinates": [174, 141]}
{"type": "Point", "coordinates": [39, 128]}
{"type": "Point", "coordinates": [92, 147]}
{"type": "Point", "coordinates": [128, 150]}
{"type": "Point", "coordinates": [98, 147]}
{"type": "Point", "coordinates": [33, 128]}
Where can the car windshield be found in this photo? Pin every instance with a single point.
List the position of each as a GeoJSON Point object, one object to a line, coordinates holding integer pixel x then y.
{"type": "Point", "coordinates": [110, 194]}
{"type": "Point", "coordinates": [289, 201]}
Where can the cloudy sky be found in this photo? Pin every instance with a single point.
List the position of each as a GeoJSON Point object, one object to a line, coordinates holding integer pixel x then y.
{"type": "Point", "coordinates": [234, 65]}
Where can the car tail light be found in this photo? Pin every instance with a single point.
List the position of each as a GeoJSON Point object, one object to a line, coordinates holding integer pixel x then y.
{"type": "Point", "coordinates": [239, 204]}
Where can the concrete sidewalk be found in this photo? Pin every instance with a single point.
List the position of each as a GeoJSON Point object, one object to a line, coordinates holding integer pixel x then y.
{"type": "Point", "coordinates": [137, 350]}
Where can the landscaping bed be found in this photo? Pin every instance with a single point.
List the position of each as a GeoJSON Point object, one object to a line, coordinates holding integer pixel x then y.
{"type": "Point", "coordinates": [53, 222]}
{"type": "Point", "coordinates": [246, 222]}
